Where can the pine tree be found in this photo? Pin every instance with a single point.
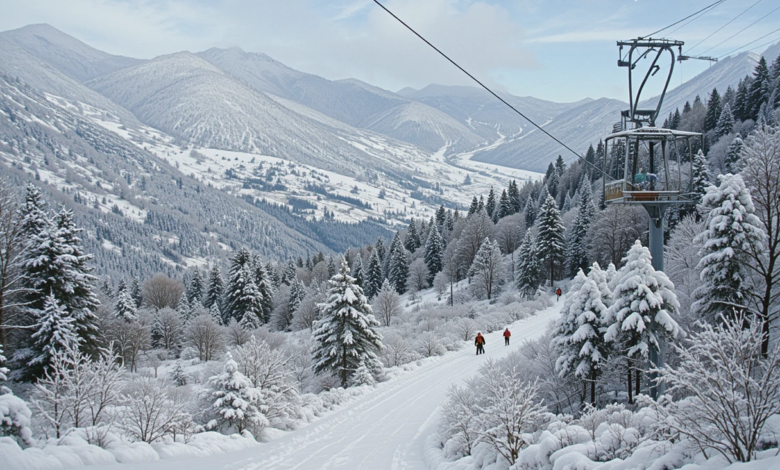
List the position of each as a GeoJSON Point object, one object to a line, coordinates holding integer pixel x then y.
{"type": "Point", "coordinates": [560, 167]}
{"type": "Point", "coordinates": [434, 253]}
{"type": "Point", "coordinates": [577, 249]}
{"type": "Point", "coordinates": [250, 312]}
{"type": "Point", "coordinates": [195, 289]}
{"type": "Point", "coordinates": [566, 325]}
{"type": "Point", "coordinates": [733, 231]}
{"type": "Point", "coordinates": [178, 375]}
{"type": "Point", "coordinates": [733, 154]}
{"type": "Point", "coordinates": [297, 294]}
{"type": "Point", "coordinates": [713, 111]}
{"type": "Point", "coordinates": [399, 269]}
{"type": "Point", "coordinates": [54, 330]}
{"type": "Point", "coordinates": [135, 293]}
{"type": "Point", "coordinates": [359, 270]}
{"type": "Point", "coordinates": [701, 180]}
{"type": "Point", "coordinates": [33, 213]}
{"type": "Point", "coordinates": [184, 309]}
{"type": "Point", "coordinates": [514, 197]}
{"type": "Point", "coordinates": [759, 89]}
{"type": "Point", "coordinates": [490, 205]}
{"type": "Point", "coordinates": [487, 269]}
{"type": "Point", "coordinates": [504, 206]}
{"type": "Point", "coordinates": [530, 212]}
{"type": "Point", "coordinates": [474, 207]}
{"type": "Point", "coordinates": [642, 310]}
{"type": "Point", "coordinates": [331, 267]}
{"type": "Point", "coordinates": [412, 239]}
{"type": "Point", "coordinates": [346, 335]}
{"type": "Point", "coordinates": [124, 307]}
{"type": "Point", "coordinates": [76, 292]}
{"type": "Point", "coordinates": [550, 243]}
{"type": "Point", "coordinates": [741, 100]}
{"type": "Point", "coordinates": [374, 278]}
{"type": "Point", "coordinates": [529, 273]}
{"type": "Point", "coordinates": [239, 276]}
{"type": "Point", "coordinates": [441, 216]}
{"type": "Point", "coordinates": [235, 400]}
{"type": "Point", "coordinates": [215, 289]}
{"type": "Point", "coordinates": [290, 273]}
{"type": "Point", "coordinates": [265, 290]}
{"type": "Point", "coordinates": [725, 123]}
{"type": "Point", "coordinates": [216, 314]}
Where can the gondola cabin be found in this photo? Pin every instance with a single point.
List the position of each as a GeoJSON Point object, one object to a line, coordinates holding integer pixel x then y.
{"type": "Point", "coordinates": [649, 165]}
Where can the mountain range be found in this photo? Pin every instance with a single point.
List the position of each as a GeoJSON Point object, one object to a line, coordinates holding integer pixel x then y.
{"type": "Point", "coordinates": [297, 150]}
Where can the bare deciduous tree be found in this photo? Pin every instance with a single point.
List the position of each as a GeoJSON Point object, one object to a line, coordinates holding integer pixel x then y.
{"type": "Point", "coordinates": [152, 409]}
{"type": "Point", "coordinates": [614, 231]}
{"type": "Point", "coordinates": [418, 275]}
{"type": "Point", "coordinates": [161, 291]}
{"type": "Point", "coordinates": [205, 335]}
{"type": "Point", "coordinates": [11, 250]}
{"type": "Point", "coordinates": [387, 304]}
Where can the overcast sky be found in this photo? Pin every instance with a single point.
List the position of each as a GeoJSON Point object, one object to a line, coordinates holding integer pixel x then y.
{"type": "Point", "coordinates": [560, 50]}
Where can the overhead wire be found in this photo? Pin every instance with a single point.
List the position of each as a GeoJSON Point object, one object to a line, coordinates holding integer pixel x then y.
{"type": "Point", "coordinates": [491, 91]}
{"type": "Point", "coordinates": [719, 29]}
{"type": "Point", "coordinates": [711, 5]}
{"type": "Point", "coordinates": [741, 30]}
{"type": "Point", "coordinates": [695, 18]}
{"type": "Point", "coordinates": [751, 42]}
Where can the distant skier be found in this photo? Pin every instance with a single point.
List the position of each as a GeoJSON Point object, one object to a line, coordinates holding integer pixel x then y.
{"type": "Point", "coordinates": [479, 342]}
{"type": "Point", "coordinates": [507, 334]}
{"type": "Point", "coordinates": [558, 293]}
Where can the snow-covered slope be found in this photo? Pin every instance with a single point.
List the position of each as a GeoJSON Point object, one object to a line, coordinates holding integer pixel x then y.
{"type": "Point", "coordinates": [386, 428]}
{"type": "Point", "coordinates": [187, 97]}
{"type": "Point", "coordinates": [578, 127]}
{"type": "Point", "coordinates": [66, 53]}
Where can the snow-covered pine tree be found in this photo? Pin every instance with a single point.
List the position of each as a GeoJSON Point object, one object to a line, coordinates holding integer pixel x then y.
{"type": "Point", "coordinates": [374, 276]}
{"type": "Point", "coordinates": [178, 376]}
{"type": "Point", "coordinates": [135, 293]}
{"type": "Point", "coordinates": [399, 269]}
{"type": "Point", "coordinates": [76, 292]}
{"type": "Point", "coordinates": [238, 276]}
{"type": "Point", "coordinates": [250, 304]}
{"type": "Point", "coordinates": [290, 273]}
{"type": "Point", "coordinates": [184, 309]}
{"type": "Point", "coordinates": [733, 231]}
{"type": "Point", "coordinates": [577, 248]}
{"type": "Point", "coordinates": [265, 287]}
{"type": "Point", "coordinates": [487, 270]}
{"type": "Point", "coordinates": [504, 205]}
{"type": "Point", "coordinates": [33, 213]}
{"type": "Point", "coordinates": [235, 400]}
{"type": "Point", "coordinates": [331, 266]}
{"type": "Point", "coordinates": [474, 205]}
{"type": "Point", "coordinates": [733, 154]}
{"type": "Point", "coordinates": [215, 287]}
{"type": "Point", "coordinates": [642, 310]}
{"type": "Point", "coordinates": [387, 260]}
{"type": "Point", "coordinates": [346, 335]}
{"type": "Point", "coordinates": [550, 242]}
{"type": "Point", "coordinates": [529, 272]}
{"type": "Point", "coordinates": [530, 212]}
{"type": "Point", "coordinates": [297, 294]}
{"type": "Point", "coordinates": [359, 270]}
{"type": "Point", "coordinates": [195, 289]}
{"type": "Point", "coordinates": [216, 314]}
{"type": "Point", "coordinates": [566, 325]}
{"type": "Point", "coordinates": [412, 240]}
{"type": "Point", "coordinates": [54, 330]}
{"type": "Point", "coordinates": [3, 372]}
{"type": "Point", "coordinates": [434, 252]}
{"type": "Point", "coordinates": [124, 307]}
{"type": "Point", "coordinates": [273, 276]}
{"type": "Point", "coordinates": [490, 205]}
{"type": "Point", "coordinates": [725, 122]}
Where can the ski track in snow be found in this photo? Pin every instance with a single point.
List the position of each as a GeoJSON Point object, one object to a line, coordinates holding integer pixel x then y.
{"type": "Point", "coordinates": [384, 429]}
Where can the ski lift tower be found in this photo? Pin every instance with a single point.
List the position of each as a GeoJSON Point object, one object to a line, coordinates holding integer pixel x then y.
{"type": "Point", "coordinates": [648, 165]}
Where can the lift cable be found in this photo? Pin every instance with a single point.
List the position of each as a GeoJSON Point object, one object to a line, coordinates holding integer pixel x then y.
{"type": "Point", "coordinates": [719, 29]}
{"type": "Point", "coordinates": [493, 93]}
{"type": "Point", "coordinates": [693, 19]}
{"type": "Point", "coordinates": [751, 42]}
{"type": "Point", "coordinates": [711, 5]}
{"type": "Point", "coordinates": [741, 30]}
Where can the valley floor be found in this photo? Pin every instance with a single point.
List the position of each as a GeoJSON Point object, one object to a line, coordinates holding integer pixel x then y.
{"type": "Point", "coordinates": [384, 429]}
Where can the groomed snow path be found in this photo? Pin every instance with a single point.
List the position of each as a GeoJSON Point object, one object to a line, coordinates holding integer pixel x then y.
{"type": "Point", "coordinates": [384, 429]}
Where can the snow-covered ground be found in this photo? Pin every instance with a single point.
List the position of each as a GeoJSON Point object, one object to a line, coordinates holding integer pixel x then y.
{"type": "Point", "coordinates": [385, 428]}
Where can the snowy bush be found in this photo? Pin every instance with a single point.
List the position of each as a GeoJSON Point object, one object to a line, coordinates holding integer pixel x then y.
{"type": "Point", "coordinates": [15, 419]}
{"type": "Point", "coordinates": [731, 389]}
{"type": "Point", "coordinates": [153, 410]}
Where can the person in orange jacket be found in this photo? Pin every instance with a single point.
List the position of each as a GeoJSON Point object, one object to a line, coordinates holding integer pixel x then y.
{"type": "Point", "coordinates": [558, 293]}
{"type": "Point", "coordinates": [507, 334]}
{"type": "Point", "coordinates": [479, 342]}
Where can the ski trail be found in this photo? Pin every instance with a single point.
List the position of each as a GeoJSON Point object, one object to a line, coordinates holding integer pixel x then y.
{"type": "Point", "coordinates": [384, 429]}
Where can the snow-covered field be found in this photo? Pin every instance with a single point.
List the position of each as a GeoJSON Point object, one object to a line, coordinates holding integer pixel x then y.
{"type": "Point", "coordinates": [385, 428]}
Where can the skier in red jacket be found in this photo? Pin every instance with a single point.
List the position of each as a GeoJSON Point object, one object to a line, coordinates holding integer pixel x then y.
{"type": "Point", "coordinates": [479, 342]}
{"type": "Point", "coordinates": [558, 293]}
{"type": "Point", "coordinates": [507, 334]}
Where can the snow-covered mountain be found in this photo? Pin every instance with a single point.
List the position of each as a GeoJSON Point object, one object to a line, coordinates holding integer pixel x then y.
{"type": "Point", "coordinates": [66, 53]}
{"type": "Point", "coordinates": [350, 101]}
